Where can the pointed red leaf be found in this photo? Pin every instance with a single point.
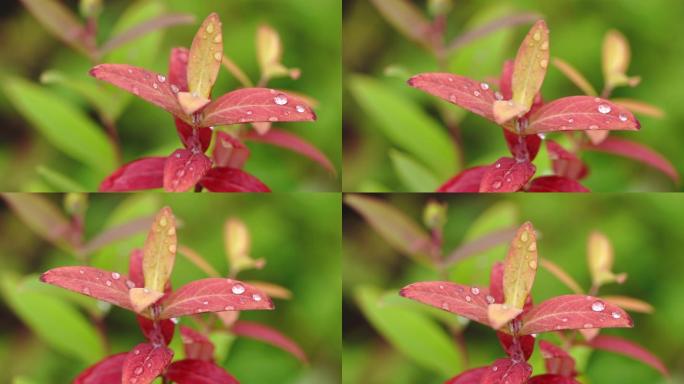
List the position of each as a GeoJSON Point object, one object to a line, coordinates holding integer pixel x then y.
{"type": "Point", "coordinates": [627, 348]}
{"type": "Point", "coordinates": [574, 312]}
{"type": "Point", "coordinates": [214, 295]}
{"type": "Point", "coordinates": [507, 371]}
{"type": "Point", "coordinates": [516, 347]}
{"type": "Point", "coordinates": [471, 376]}
{"type": "Point", "coordinates": [565, 163]}
{"type": "Point", "coordinates": [135, 268]}
{"type": "Point", "coordinates": [145, 362]}
{"type": "Point", "coordinates": [475, 96]}
{"type": "Point", "coordinates": [507, 175]}
{"type": "Point", "coordinates": [111, 287]}
{"type": "Point", "coordinates": [506, 80]}
{"type": "Point", "coordinates": [294, 143]}
{"type": "Point", "coordinates": [196, 345]}
{"type": "Point", "coordinates": [178, 66]}
{"type": "Point", "coordinates": [469, 302]}
{"type": "Point", "coordinates": [552, 379]}
{"type": "Point", "coordinates": [147, 85]}
{"type": "Point", "coordinates": [557, 360]}
{"type": "Point", "coordinates": [105, 371]}
{"type": "Point", "coordinates": [638, 152]}
{"type": "Point", "coordinates": [522, 147]}
{"type": "Point", "coordinates": [581, 113]}
{"type": "Point", "coordinates": [496, 282]}
{"type": "Point", "coordinates": [145, 173]}
{"type": "Point", "coordinates": [249, 105]}
{"type": "Point", "coordinates": [229, 151]}
{"type": "Point", "coordinates": [157, 332]}
{"type": "Point", "coordinates": [268, 335]}
{"type": "Point", "coordinates": [193, 138]}
{"type": "Point", "coordinates": [466, 181]}
{"type": "Point", "coordinates": [183, 169]}
{"type": "Point", "coordinates": [223, 179]}
{"type": "Point", "coordinates": [190, 371]}
{"type": "Point", "coordinates": [556, 184]}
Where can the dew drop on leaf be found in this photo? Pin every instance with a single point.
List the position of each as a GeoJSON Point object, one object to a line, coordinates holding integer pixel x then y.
{"type": "Point", "coordinates": [218, 56]}
{"type": "Point", "coordinates": [622, 117]}
{"type": "Point", "coordinates": [475, 290]}
{"type": "Point", "coordinates": [139, 370]}
{"type": "Point", "coordinates": [598, 306]}
{"type": "Point", "coordinates": [616, 315]}
{"type": "Point", "coordinates": [280, 99]}
{"type": "Point", "coordinates": [484, 86]}
{"type": "Point", "coordinates": [604, 108]}
{"type": "Point", "coordinates": [175, 320]}
{"type": "Point", "coordinates": [136, 90]}
{"type": "Point", "coordinates": [256, 297]}
{"type": "Point", "coordinates": [490, 299]}
{"type": "Point", "coordinates": [108, 283]}
{"type": "Point", "coordinates": [476, 93]}
{"type": "Point", "coordinates": [161, 78]}
{"type": "Point", "coordinates": [300, 109]}
{"type": "Point", "coordinates": [115, 276]}
{"type": "Point", "coordinates": [468, 299]}
{"type": "Point", "coordinates": [544, 63]}
{"type": "Point", "coordinates": [86, 291]}
{"type": "Point", "coordinates": [497, 184]}
{"type": "Point", "coordinates": [174, 88]}
{"type": "Point", "coordinates": [238, 289]}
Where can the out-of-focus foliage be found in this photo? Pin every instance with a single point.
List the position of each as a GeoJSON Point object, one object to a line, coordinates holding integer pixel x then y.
{"type": "Point", "coordinates": [38, 147]}
{"type": "Point", "coordinates": [298, 237]}
{"type": "Point", "coordinates": [646, 245]}
{"type": "Point", "coordinates": [374, 47]}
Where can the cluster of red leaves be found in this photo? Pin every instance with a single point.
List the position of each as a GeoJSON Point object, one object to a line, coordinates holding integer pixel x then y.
{"type": "Point", "coordinates": [185, 93]}
{"type": "Point", "coordinates": [157, 307]}
{"type": "Point", "coordinates": [519, 109]}
{"type": "Point", "coordinates": [507, 307]}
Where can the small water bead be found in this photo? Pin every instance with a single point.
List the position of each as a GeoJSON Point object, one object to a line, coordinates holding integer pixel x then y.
{"type": "Point", "coordinates": [161, 78]}
{"type": "Point", "coordinates": [273, 119]}
{"type": "Point", "coordinates": [163, 221]}
{"type": "Point", "coordinates": [533, 264]}
{"type": "Point", "coordinates": [130, 70]}
{"type": "Point", "coordinates": [484, 86]}
{"type": "Point", "coordinates": [509, 179]}
{"type": "Point", "coordinates": [280, 99]}
{"type": "Point", "coordinates": [86, 291]}
{"type": "Point", "coordinates": [116, 276]}
{"type": "Point", "coordinates": [218, 38]}
{"type": "Point", "coordinates": [604, 108]}
{"type": "Point", "coordinates": [616, 315]}
{"type": "Point", "coordinates": [542, 135]}
{"type": "Point", "coordinates": [171, 231]}
{"type": "Point", "coordinates": [497, 184]}
{"type": "Point", "coordinates": [490, 299]}
{"type": "Point", "coordinates": [138, 370]}
{"type": "Point", "coordinates": [475, 290]}
{"type": "Point", "coordinates": [81, 272]}
{"type": "Point", "coordinates": [571, 121]}
{"type": "Point", "coordinates": [622, 117]}
{"type": "Point", "coordinates": [249, 113]}
{"type": "Point", "coordinates": [130, 284]}
{"type": "Point", "coordinates": [545, 46]}
{"type": "Point", "coordinates": [445, 306]}
{"type": "Point", "coordinates": [497, 165]}
{"type": "Point", "coordinates": [588, 325]}
{"type": "Point", "coordinates": [524, 236]}
{"type": "Point", "coordinates": [476, 93]}
{"type": "Point", "coordinates": [565, 319]}
{"type": "Point", "coordinates": [172, 248]}
{"type": "Point", "coordinates": [108, 283]}
{"type": "Point", "coordinates": [598, 306]}
{"type": "Point", "coordinates": [205, 303]}
{"type": "Point", "coordinates": [238, 289]}
{"type": "Point", "coordinates": [210, 28]}
{"type": "Point", "coordinates": [498, 95]}
{"type": "Point", "coordinates": [495, 368]}
{"type": "Point", "coordinates": [175, 320]}
{"type": "Point", "coordinates": [532, 247]}
{"type": "Point", "coordinates": [468, 298]}
{"type": "Point", "coordinates": [300, 109]}
{"type": "Point", "coordinates": [256, 297]}
{"type": "Point", "coordinates": [218, 56]}
{"type": "Point", "coordinates": [544, 63]}
{"type": "Point", "coordinates": [174, 88]}
{"type": "Point", "coordinates": [593, 126]}
{"type": "Point", "coordinates": [229, 308]}
{"type": "Point", "coordinates": [146, 290]}
{"type": "Point", "coordinates": [136, 90]}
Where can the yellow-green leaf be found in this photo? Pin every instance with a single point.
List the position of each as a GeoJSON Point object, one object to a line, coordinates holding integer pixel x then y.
{"type": "Point", "coordinates": [141, 298]}
{"type": "Point", "coordinates": [600, 259]}
{"type": "Point", "coordinates": [530, 65]}
{"type": "Point", "coordinates": [575, 76]}
{"type": "Point", "coordinates": [238, 245]}
{"type": "Point", "coordinates": [616, 58]}
{"type": "Point", "coordinates": [159, 252]}
{"type": "Point", "coordinates": [60, 21]}
{"type": "Point", "coordinates": [500, 314]}
{"type": "Point", "coordinates": [206, 54]}
{"type": "Point", "coordinates": [520, 266]}
{"type": "Point", "coordinates": [406, 18]}
{"type": "Point", "coordinates": [270, 53]}
{"type": "Point", "coordinates": [637, 106]}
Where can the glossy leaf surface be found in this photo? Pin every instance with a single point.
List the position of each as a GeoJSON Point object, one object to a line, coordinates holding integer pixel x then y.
{"type": "Point", "coordinates": [157, 332]}
{"type": "Point", "coordinates": [229, 151]}
{"type": "Point", "coordinates": [106, 371]}
{"type": "Point", "coordinates": [183, 169]}
{"type": "Point", "coordinates": [196, 345]}
{"type": "Point", "coordinates": [507, 371]}
{"type": "Point", "coordinates": [531, 62]}
{"type": "Point", "coordinates": [468, 180]}
{"type": "Point", "coordinates": [469, 302]}
{"type": "Point", "coordinates": [520, 266]}
{"type": "Point", "coordinates": [223, 179]}
{"type": "Point", "coordinates": [145, 173]}
{"type": "Point", "coordinates": [471, 376]}
{"type": "Point", "coordinates": [145, 362]}
{"type": "Point", "coordinates": [159, 253]}
{"type": "Point", "coordinates": [507, 175]}
{"type": "Point", "coordinates": [565, 163]}
{"type": "Point", "coordinates": [557, 360]}
{"type": "Point", "coordinates": [190, 371]}
{"type": "Point", "coordinates": [205, 57]}
{"type": "Point", "coordinates": [99, 284]}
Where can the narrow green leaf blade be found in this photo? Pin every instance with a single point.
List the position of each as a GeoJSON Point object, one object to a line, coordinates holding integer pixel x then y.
{"type": "Point", "coordinates": [414, 175]}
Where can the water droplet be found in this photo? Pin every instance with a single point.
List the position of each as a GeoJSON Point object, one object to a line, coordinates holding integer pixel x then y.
{"type": "Point", "coordinates": [542, 135]}
{"type": "Point", "coordinates": [171, 231]}
{"type": "Point", "coordinates": [205, 302]}
{"type": "Point", "coordinates": [544, 63]}
{"type": "Point", "coordinates": [468, 299]}
{"type": "Point", "coordinates": [571, 121]}
{"type": "Point", "coordinates": [598, 306]}
{"type": "Point", "coordinates": [163, 221]}
{"type": "Point", "coordinates": [249, 112]}
{"type": "Point", "coordinates": [229, 308]}
{"type": "Point", "coordinates": [445, 306]}
{"type": "Point", "coordinates": [136, 90]}
{"type": "Point", "coordinates": [593, 126]}
{"type": "Point", "coordinates": [452, 98]}
{"type": "Point", "coordinates": [616, 315]}
{"type": "Point", "coordinates": [495, 368]}
{"type": "Point", "coordinates": [86, 291]}
{"type": "Point", "coordinates": [174, 88]}
{"type": "Point", "coordinates": [509, 179]}
{"type": "Point", "coordinates": [238, 289]}
{"type": "Point", "coordinates": [588, 325]}
{"type": "Point", "coordinates": [130, 284]}
{"type": "Point", "coordinates": [533, 264]}
{"type": "Point", "coordinates": [441, 286]}
{"type": "Point", "coordinates": [498, 95]}
{"type": "Point", "coordinates": [138, 370]}
{"type": "Point", "coordinates": [175, 320]}
{"type": "Point", "coordinates": [476, 93]}
{"type": "Point", "coordinates": [108, 283]}
{"type": "Point", "coordinates": [280, 99]}
{"type": "Point", "coordinates": [484, 86]}
{"type": "Point", "coordinates": [545, 46]}
{"type": "Point", "coordinates": [116, 276]}
{"type": "Point", "coordinates": [622, 117]}
{"type": "Point", "coordinates": [532, 247]}
{"type": "Point", "coordinates": [497, 184]}
{"type": "Point", "coordinates": [199, 310]}
{"type": "Point", "coordinates": [218, 56]}
{"type": "Point", "coordinates": [161, 78]}
{"type": "Point", "coordinates": [490, 299]}
{"type": "Point", "coordinates": [524, 236]}
{"type": "Point", "coordinates": [172, 248]}
{"type": "Point", "coordinates": [536, 36]}
{"type": "Point", "coordinates": [81, 272]}
{"type": "Point", "coordinates": [136, 352]}
{"type": "Point", "coordinates": [218, 38]}
{"type": "Point", "coordinates": [272, 118]}
{"type": "Point", "coordinates": [130, 70]}
{"type": "Point", "coordinates": [300, 109]}
{"type": "Point", "coordinates": [146, 290]}
{"type": "Point", "coordinates": [210, 28]}
{"type": "Point", "coordinates": [256, 297]}
{"type": "Point", "coordinates": [475, 290]}
{"type": "Point", "coordinates": [497, 165]}
{"type": "Point", "coordinates": [565, 319]}
{"type": "Point", "coordinates": [604, 108]}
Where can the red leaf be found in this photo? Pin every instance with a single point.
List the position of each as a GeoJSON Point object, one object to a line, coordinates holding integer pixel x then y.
{"type": "Point", "coordinates": [466, 181]}
{"type": "Point", "coordinates": [106, 371]}
{"type": "Point", "coordinates": [506, 80]}
{"type": "Point", "coordinates": [214, 295]}
{"type": "Point", "coordinates": [268, 335]}
{"type": "Point", "coordinates": [229, 151]}
{"type": "Point", "coordinates": [294, 143]}
{"type": "Point", "coordinates": [145, 173]}
{"type": "Point", "coordinates": [517, 347]}
{"type": "Point", "coordinates": [135, 268]}
{"type": "Point", "coordinates": [522, 147]}
{"type": "Point", "coordinates": [190, 371]}
{"type": "Point", "coordinates": [507, 175]}
{"type": "Point", "coordinates": [196, 345]}
{"type": "Point", "coordinates": [193, 138]}
{"type": "Point", "coordinates": [507, 371]}
{"type": "Point", "coordinates": [183, 169]}
{"type": "Point", "coordinates": [145, 362]}
{"type": "Point", "coordinates": [469, 302]}
{"type": "Point", "coordinates": [145, 84]}
{"type": "Point", "coordinates": [178, 68]}
{"type": "Point", "coordinates": [157, 332]}
{"type": "Point", "coordinates": [552, 379]}
{"type": "Point", "coordinates": [581, 113]}
{"type": "Point", "coordinates": [574, 312]}
{"type": "Point", "coordinates": [107, 286]}
{"type": "Point", "coordinates": [249, 105]}
{"type": "Point", "coordinates": [471, 376]}
{"type": "Point", "coordinates": [496, 282]}
{"type": "Point", "coordinates": [222, 179]}
{"type": "Point", "coordinates": [555, 184]}
{"type": "Point", "coordinates": [638, 152]}
{"type": "Point", "coordinates": [565, 163]}
{"type": "Point", "coordinates": [557, 360]}
{"type": "Point", "coordinates": [469, 94]}
{"type": "Point", "coordinates": [627, 348]}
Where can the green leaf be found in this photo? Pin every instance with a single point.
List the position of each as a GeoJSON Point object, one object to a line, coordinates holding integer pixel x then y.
{"type": "Point", "coordinates": [43, 217]}
{"type": "Point", "coordinates": [54, 321]}
{"type": "Point", "coordinates": [413, 174]}
{"type": "Point", "coordinates": [59, 181]}
{"type": "Point", "coordinates": [411, 332]}
{"type": "Point", "coordinates": [67, 128]}
{"type": "Point", "coordinates": [60, 21]}
{"type": "Point", "coordinates": [406, 125]}
{"type": "Point", "coordinates": [97, 96]}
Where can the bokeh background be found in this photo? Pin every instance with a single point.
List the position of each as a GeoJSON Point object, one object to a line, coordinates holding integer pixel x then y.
{"type": "Point", "coordinates": [310, 32]}
{"type": "Point", "coordinates": [298, 235]}
{"type": "Point", "coordinates": [646, 237]}
{"type": "Point", "coordinates": [385, 121]}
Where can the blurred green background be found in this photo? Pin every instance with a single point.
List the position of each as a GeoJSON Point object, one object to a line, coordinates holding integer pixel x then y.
{"type": "Point", "coordinates": [310, 32]}
{"type": "Point", "coordinates": [298, 235]}
{"type": "Point", "coordinates": [646, 235]}
{"type": "Point", "coordinates": [376, 103]}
